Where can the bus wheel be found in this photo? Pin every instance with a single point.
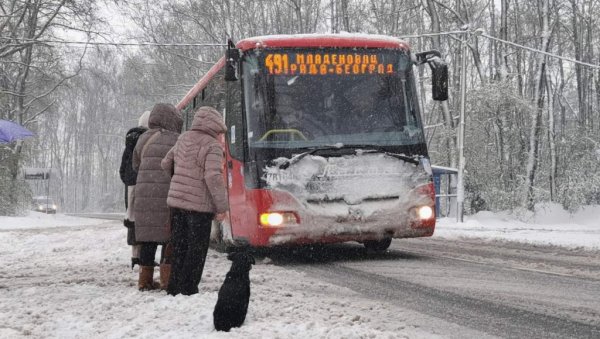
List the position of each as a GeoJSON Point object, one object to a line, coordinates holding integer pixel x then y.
{"type": "Point", "coordinates": [378, 245]}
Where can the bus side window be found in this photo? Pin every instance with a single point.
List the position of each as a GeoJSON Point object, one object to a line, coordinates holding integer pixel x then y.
{"type": "Point", "coordinates": [188, 116]}
{"type": "Point", "coordinates": [234, 120]}
{"type": "Point", "coordinates": [214, 93]}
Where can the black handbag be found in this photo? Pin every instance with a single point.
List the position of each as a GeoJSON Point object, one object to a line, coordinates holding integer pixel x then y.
{"type": "Point", "coordinates": [130, 232]}
{"type": "Point", "coordinates": [131, 236]}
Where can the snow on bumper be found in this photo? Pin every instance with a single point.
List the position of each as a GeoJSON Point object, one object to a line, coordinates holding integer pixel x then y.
{"type": "Point", "coordinates": [339, 222]}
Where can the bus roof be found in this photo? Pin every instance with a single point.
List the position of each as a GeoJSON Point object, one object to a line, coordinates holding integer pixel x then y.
{"type": "Point", "coordinates": [348, 40]}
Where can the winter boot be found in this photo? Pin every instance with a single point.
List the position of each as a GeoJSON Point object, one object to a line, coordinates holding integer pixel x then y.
{"type": "Point", "coordinates": [165, 274]}
{"type": "Point", "coordinates": [145, 281]}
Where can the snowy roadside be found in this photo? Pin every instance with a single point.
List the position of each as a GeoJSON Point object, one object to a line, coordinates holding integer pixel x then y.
{"type": "Point", "coordinates": [36, 220]}
{"type": "Point", "coordinates": [551, 225]}
{"type": "Point", "coordinates": [75, 283]}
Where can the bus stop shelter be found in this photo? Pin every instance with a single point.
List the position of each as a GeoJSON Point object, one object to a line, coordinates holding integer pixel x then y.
{"type": "Point", "coordinates": [444, 190]}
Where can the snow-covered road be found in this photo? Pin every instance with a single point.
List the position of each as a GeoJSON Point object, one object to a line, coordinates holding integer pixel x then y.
{"type": "Point", "coordinates": [68, 277]}
{"type": "Point", "coordinates": [504, 289]}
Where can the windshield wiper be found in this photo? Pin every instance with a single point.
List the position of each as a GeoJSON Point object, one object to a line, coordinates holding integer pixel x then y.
{"type": "Point", "coordinates": [415, 159]}
{"type": "Point", "coordinates": [312, 150]}
{"type": "Point", "coordinates": [338, 147]}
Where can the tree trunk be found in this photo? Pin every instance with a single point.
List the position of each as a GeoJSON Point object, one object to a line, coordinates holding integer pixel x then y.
{"type": "Point", "coordinates": [345, 15]}
{"type": "Point", "coordinates": [536, 124]}
{"type": "Point", "coordinates": [519, 70]}
{"type": "Point", "coordinates": [501, 115]}
{"type": "Point", "coordinates": [597, 97]}
{"type": "Point", "coordinates": [578, 69]}
{"type": "Point", "coordinates": [589, 77]}
{"type": "Point", "coordinates": [551, 141]}
{"type": "Point", "coordinates": [502, 69]}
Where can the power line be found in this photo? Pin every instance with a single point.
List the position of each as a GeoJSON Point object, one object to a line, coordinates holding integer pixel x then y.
{"type": "Point", "coordinates": [156, 44]}
{"type": "Point", "coordinates": [430, 34]}
{"type": "Point", "coordinates": [556, 56]}
{"type": "Point", "coordinates": [96, 43]}
{"type": "Point", "coordinates": [514, 44]}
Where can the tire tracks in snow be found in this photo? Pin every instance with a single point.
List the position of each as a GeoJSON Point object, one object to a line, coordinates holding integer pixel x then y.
{"type": "Point", "coordinates": [552, 260]}
{"type": "Point", "coordinates": [492, 317]}
{"type": "Point", "coordinates": [497, 291]}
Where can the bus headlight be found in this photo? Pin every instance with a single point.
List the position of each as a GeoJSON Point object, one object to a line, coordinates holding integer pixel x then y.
{"type": "Point", "coordinates": [277, 219]}
{"type": "Point", "coordinates": [425, 212]}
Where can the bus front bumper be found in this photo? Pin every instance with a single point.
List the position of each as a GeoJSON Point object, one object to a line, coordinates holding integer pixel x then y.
{"type": "Point", "coordinates": [345, 231]}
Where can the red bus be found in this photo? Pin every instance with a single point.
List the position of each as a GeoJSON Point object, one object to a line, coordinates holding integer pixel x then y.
{"type": "Point", "coordinates": [325, 141]}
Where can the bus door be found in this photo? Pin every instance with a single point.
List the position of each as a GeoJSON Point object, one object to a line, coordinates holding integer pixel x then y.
{"type": "Point", "coordinates": [235, 165]}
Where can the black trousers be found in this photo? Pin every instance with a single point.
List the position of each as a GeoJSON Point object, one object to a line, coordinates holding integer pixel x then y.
{"type": "Point", "coordinates": [148, 252]}
{"type": "Point", "coordinates": [190, 237]}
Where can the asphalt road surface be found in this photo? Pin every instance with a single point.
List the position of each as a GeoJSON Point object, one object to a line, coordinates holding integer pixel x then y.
{"type": "Point", "coordinates": [502, 289]}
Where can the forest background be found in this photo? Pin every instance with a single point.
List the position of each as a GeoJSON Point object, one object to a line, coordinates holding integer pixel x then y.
{"type": "Point", "coordinates": [532, 119]}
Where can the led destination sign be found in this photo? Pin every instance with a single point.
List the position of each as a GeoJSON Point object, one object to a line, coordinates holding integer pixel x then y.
{"type": "Point", "coordinates": [293, 63]}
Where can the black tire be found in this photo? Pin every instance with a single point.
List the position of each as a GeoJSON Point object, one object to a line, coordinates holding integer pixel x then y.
{"type": "Point", "coordinates": [378, 245]}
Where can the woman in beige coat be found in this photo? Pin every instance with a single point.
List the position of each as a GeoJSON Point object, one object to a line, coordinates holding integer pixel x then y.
{"type": "Point", "coordinates": [152, 185]}
{"type": "Point", "coordinates": [197, 195]}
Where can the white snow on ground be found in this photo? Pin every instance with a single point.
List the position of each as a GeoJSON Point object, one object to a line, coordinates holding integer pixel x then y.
{"type": "Point", "coordinates": [551, 225]}
{"type": "Point", "coordinates": [67, 277]}
{"type": "Point", "coordinates": [74, 282]}
{"type": "Point", "coordinates": [42, 220]}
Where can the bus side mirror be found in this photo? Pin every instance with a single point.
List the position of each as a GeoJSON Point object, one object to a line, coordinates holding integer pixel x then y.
{"type": "Point", "coordinates": [439, 73]}
{"type": "Point", "coordinates": [232, 58]}
{"type": "Point", "coordinates": [439, 79]}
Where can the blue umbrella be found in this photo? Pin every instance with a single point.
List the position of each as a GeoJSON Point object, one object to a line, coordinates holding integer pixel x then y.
{"type": "Point", "coordinates": [10, 131]}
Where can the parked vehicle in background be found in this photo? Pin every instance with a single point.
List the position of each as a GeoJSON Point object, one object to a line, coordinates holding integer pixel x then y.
{"type": "Point", "coordinates": [44, 204]}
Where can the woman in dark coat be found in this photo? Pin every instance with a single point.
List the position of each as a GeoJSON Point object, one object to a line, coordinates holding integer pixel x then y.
{"type": "Point", "coordinates": [152, 186]}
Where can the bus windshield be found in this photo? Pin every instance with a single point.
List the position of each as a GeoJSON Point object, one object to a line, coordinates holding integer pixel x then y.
{"type": "Point", "coordinates": [299, 98]}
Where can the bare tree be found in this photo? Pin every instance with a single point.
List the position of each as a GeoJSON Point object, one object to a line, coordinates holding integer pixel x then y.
{"type": "Point", "coordinates": [536, 123]}
{"type": "Point", "coordinates": [31, 72]}
{"type": "Point", "coordinates": [530, 117]}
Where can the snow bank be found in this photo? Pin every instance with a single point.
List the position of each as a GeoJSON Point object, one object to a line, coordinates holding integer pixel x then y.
{"type": "Point", "coordinates": [35, 220]}
{"type": "Point", "coordinates": [550, 225]}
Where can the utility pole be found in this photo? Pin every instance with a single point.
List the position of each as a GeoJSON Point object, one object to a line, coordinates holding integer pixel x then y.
{"type": "Point", "coordinates": [460, 194]}
{"type": "Point", "coordinates": [48, 182]}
